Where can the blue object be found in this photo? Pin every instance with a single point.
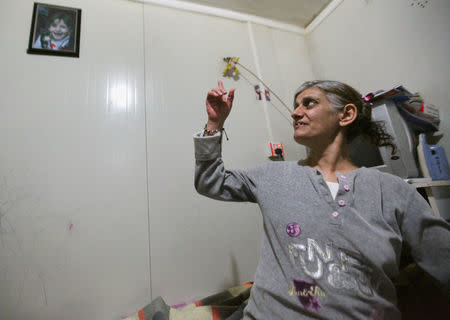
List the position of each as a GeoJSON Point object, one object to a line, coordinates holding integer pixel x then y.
{"type": "Point", "coordinates": [436, 160]}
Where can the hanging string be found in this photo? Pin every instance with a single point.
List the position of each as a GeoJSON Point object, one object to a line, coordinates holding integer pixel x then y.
{"type": "Point", "coordinates": [273, 105]}
{"type": "Point", "coordinates": [231, 62]}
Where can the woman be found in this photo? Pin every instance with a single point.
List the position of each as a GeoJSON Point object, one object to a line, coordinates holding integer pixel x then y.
{"type": "Point", "coordinates": [333, 232]}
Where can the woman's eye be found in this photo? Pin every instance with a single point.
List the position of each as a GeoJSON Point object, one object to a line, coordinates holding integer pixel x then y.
{"type": "Point", "coordinates": [309, 103]}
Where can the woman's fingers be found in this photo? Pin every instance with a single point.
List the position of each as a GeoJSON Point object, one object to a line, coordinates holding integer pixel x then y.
{"type": "Point", "coordinates": [214, 93]}
{"type": "Point", "coordinates": [221, 85]}
{"type": "Point", "coordinates": [218, 92]}
{"type": "Point", "coordinates": [230, 97]}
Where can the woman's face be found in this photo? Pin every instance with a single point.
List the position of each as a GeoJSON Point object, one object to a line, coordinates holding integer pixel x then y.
{"type": "Point", "coordinates": [314, 118]}
{"type": "Point", "coordinates": [58, 29]}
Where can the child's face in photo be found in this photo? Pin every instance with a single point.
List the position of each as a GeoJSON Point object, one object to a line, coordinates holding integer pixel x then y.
{"type": "Point", "coordinates": [58, 29]}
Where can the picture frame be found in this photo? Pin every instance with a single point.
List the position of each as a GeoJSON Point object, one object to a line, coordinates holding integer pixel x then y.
{"type": "Point", "coordinates": [55, 30]}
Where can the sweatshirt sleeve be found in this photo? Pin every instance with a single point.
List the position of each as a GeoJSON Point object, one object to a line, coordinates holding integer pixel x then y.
{"type": "Point", "coordinates": [211, 177]}
{"type": "Point", "coordinates": [428, 237]}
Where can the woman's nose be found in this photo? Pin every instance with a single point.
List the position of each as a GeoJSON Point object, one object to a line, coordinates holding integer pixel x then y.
{"type": "Point", "coordinates": [297, 113]}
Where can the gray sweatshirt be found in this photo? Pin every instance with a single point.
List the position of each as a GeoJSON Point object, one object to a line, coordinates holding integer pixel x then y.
{"type": "Point", "coordinates": [325, 258]}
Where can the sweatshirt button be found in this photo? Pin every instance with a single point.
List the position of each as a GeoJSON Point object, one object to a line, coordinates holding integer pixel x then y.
{"type": "Point", "coordinates": [341, 203]}
{"type": "Point", "coordinates": [347, 187]}
{"type": "Point", "coordinates": [335, 214]}
{"type": "Point", "coordinates": [293, 229]}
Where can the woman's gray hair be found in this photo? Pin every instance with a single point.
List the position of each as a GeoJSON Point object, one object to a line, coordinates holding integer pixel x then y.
{"type": "Point", "coordinates": [340, 94]}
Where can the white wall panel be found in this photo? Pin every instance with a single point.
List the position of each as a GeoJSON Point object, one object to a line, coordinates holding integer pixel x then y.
{"type": "Point", "coordinates": [284, 66]}
{"type": "Point", "coordinates": [73, 200]}
{"type": "Point", "coordinates": [198, 246]}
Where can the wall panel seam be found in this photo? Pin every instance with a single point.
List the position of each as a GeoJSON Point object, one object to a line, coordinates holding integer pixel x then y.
{"type": "Point", "coordinates": [146, 148]}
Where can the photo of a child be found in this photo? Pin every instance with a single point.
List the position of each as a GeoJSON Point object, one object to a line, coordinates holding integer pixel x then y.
{"type": "Point", "coordinates": [58, 33]}
{"type": "Point", "coordinates": [55, 30]}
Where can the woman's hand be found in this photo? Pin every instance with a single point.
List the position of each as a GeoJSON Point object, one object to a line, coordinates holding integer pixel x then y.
{"type": "Point", "coordinates": [218, 106]}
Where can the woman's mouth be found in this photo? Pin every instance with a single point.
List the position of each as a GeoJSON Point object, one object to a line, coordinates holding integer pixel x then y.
{"type": "Point", "coordinates": [299, 124]}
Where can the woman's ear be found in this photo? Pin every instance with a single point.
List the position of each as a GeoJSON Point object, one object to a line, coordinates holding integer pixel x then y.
{"type": "Point", "coordinates": [348, 115]}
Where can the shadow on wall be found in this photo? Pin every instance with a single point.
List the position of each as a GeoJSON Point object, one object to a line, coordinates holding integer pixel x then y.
{"type": "Point", "coordinates": [234, 274]}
